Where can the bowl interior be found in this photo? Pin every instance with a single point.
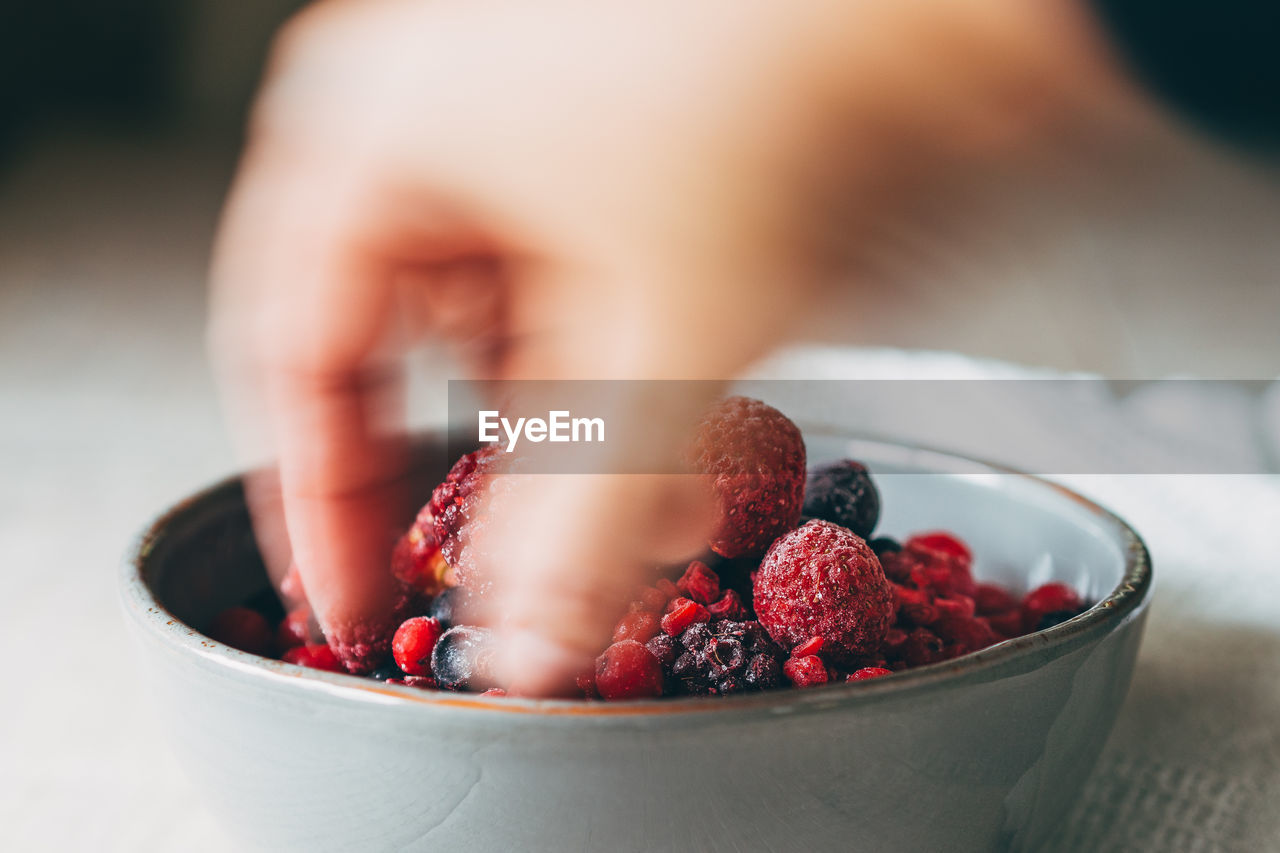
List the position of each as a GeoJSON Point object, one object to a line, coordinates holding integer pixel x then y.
{"type": "Point", "coordinates": [1023, 531]}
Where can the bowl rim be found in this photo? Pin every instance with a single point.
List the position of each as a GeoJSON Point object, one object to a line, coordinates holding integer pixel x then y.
{"type": "Point", "coordinates": [1123, 603]}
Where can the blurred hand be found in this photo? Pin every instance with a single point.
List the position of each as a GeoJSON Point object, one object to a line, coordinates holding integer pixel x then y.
{"type": "Point", "coordinates": [573, 189]}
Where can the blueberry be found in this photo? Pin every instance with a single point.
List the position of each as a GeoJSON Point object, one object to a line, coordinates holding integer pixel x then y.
{"type": "Point", "coordinates": [446, 606]}
{"type": "Point", "coordinates": [843, 493]}
{"type": "Point", "coordinates": [884, 545]}
{"type": "Point", "coordinates": [386, 670]}
{"type": "Point", "coordinates": [463, 659]}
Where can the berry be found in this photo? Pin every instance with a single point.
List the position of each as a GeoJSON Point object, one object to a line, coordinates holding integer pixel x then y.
{"type": "Point", "coordinates": [315, 656]}
{"type": "Point", "coordinates": [416, 560]}
{"type": "Point", "coordinates": [386, 672]}
{"type": "Point", "coordinates": [243, 629]}
{"type": "Point", "coordinates": [970, 634]}
{"type": "Point", "coordinates": [665, 648]}
{"type": "Point", "coordinates": [882, 545]}
{"type": "Point", "coordinates": [448, 606]}
{"type": "Point", "coordinates": [1008, 623]}
{"type": "Point", "coordinates": [992, 598]}
{"type": "Point", "coordinates": [843, 493]}
{"type": "Point", "coordinates": [627, 670]}
{"type": "Point", "coordinates": [728, 607]}
{"type": "Point", "coordinates": [922, 647]}
{"type": "Point", "coordinates": [763, 673]}
{"type": "Point", "coordinates": [945, 543]}
{"type": "Point", "coordinates": [640, 626]}
{"type": "Point", "coordinates": [458, 509]}
{"type": "Point", "coordinates": [806, 671]}
{"type": "Point", "coordinates": [683, 613]}
{"type": "Point", "coordinates": [756, 457]}
{"type": "Point", "coordinates": [914, 606]}
{"type": "Point", "coordinates": [811, 646]}
{"type": "Point", "coordinates": [955, 605]}
{"type": "Point", "coordinates": [868, 672]}
{"type": "Point", "coordinates": [820, 580]}
{"type": "Point", "coordinates": [295, 628]}
{"type": "Point", "coordinates": [463, 659]}
{"type": "Point", "coordinates": [422, 682]}
{"type": "Point", "coordinates": [413, 642]}
{"type": "Point", "coordinates": [1052, 599]}
{"type": "Point", "coordinates": [700, 583]}
{"type": "Point", "coordinates": [718, 657]}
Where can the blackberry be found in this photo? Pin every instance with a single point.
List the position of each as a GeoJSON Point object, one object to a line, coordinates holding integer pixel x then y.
{"type": "Point", "coordinates": [844, 494]}
{"type": "Point", "coordinates": [721, 657]}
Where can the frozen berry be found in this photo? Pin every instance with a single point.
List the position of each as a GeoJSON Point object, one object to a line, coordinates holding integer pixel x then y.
{"type": "Point", "coordinates": [992, 598]}
{"type": "Point", "coordinates": [945, 543]}
{"type": "Point", "coordinates": [683, 614]}
{"type": "Point", "coordinates": [665, 648]}
{"type": "Point", "coordinates": [413, 643]}
{"type": "Point", "coordinates": [1051, 598]}
{"type": "Point", "coordinates": [811, 646]}
{"type": "Point", "coordinates": [422, 682]}
{"type": "Point", "coordinates": [700, 583]}
{"type": "Point", "coordinates": [971, 634]}
{"type": "Point", "coordinates": [922, 647]}
{"type": "Point", "coordinates": [295, 628]}
{"type": "Point", "coordinates": [243, 629]}
{"type": "Point", "coordinates": [1007, 624]}
{"type": "Point", "coordinates": [820, 580]}
{"type": "Point", "coordinates": [447, 607]}
{"type": "Point", "coordinates": [416, 560]}
{"type": "Point", "coordinates": [806, 671]}
{"type": "Point", "coordinates": [458, 509]}
{"type": "Point", "coordinates": [463, 658]}
{"type": "Point", "coordinates": [729, 606]}
{"type": "Point", "coordinates": [756, 456]}
{"type": "Point", "coordinates": [915, 606]}
{"type": "Point", "coordinates": [725, 657]}
{"type": "Point", "coordinates": [843, 493]}
{"type": "Point", "coordinates": [868, 672]}
{"type": "Point", "coordinates": [640, 626]}
{"type": "Point", "coordinates": [315, 656]}
{"type": "Point", "coordinates": [627, 670]}
{"type": "Point", "coordinates": [955, 605]}
{"type": "Point", "coordinates": [882, 545]}
{"type": "Point", "coordinates": [386, 671]}
{"type": "Point", "coordinates": [763, 672]}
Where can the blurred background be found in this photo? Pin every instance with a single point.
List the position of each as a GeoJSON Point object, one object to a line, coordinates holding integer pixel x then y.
{"type": "Point", "coordinates": [120, 122]}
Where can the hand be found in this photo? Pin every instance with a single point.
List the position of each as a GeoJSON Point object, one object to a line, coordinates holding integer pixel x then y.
{"type": "Point", "coordinates": [573, 189]}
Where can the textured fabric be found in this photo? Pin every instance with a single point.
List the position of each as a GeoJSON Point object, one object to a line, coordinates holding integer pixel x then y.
{"type": "Point", "coordinates": [1194, 762]}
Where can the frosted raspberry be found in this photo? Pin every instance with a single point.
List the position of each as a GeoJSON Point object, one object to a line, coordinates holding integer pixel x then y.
{"type": "Point", "coordinates": [823, 581]}
{"type": "Point", "coordinates": [458, 510]}
{"type": "Point", "coordinates": [756, 456]}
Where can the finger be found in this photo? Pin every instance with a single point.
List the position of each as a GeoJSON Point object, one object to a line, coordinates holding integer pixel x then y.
{"type": "Point", "coordinates": [302, 310]}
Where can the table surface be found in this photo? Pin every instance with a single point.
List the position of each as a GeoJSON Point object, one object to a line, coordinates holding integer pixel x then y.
{"type": "Point", "coordinates": [109, 414]}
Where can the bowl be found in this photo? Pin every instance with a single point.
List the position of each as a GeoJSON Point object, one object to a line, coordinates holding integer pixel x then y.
{"type": "Point", "coordinates": [983, 752]}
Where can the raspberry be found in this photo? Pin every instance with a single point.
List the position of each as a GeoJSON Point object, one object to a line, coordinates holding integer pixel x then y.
{"type": "Point", "coordinates": [806, 671]}
{"type": "Point", "coordinates": [627, 670]}
{"type": "Point", "coordinates": [243, 629]}
{"type": "Point", "coordinates": [1047, 605]}
{"type": "Point", "coordinates": [683, 614]}
{"type": "Point", "coordinates": [823, 581]}
{"type": "Point", "coordinates": [700, 583]}
{"type": "Point", "coordinates": [463, 659]}
{"type": "Point", "coordinates": [640, 626]}
{"type": "Point", "coordinates": [992, 598]}
{"type": "Point", "coordinates": [955, 605]}
{"type": "Point", "coordinates": [315, 656]}
{"type": "Point", "coordinates": [457, 509]}
{"type": "Point", "coordinates": [1008, 623]}
{"type": "Point", "coordinates": [416, 560]}
{"type": "Point", "coordinates": [868, 672]}
{"type": "Point", "coordinates": [914, 606]}
{"type": "Point", "coordinates": [922, 647]}
{"type": "Point", "coordinates": [295, 628]}
{"type": "Point", "coordinates": [413, 642]}
{"type": "Point", "coordinates": [756, 456]}
{"type": "Point", "coordinates": [970, 634]}
{"type": "Point", "coordinates": [844, 494]}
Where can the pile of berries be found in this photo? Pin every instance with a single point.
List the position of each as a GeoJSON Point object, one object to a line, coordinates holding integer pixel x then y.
{"type": "Point", "coordinates": [792, 590]}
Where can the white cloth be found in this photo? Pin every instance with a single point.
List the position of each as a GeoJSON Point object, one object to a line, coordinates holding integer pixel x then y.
{"type": "Point", "coordinates": [1194, 761]}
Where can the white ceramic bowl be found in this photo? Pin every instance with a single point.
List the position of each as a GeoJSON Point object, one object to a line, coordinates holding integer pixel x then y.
{"type": "Point", "coordinates": [984, 752]}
